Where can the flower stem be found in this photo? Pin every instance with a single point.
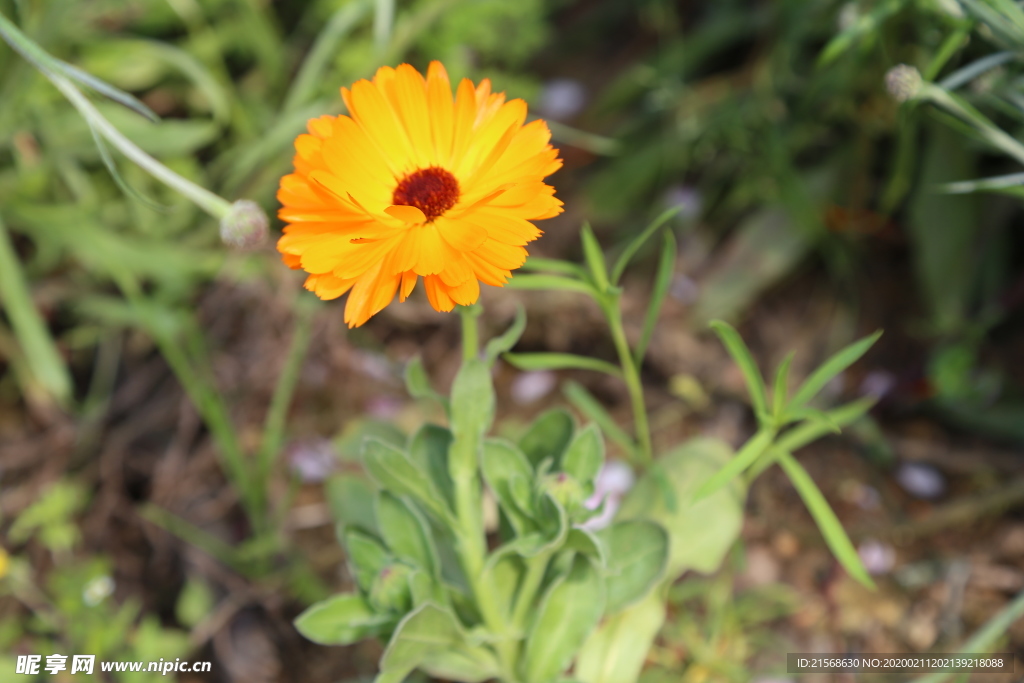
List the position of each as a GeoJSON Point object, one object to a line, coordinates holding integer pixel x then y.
{"type": "Point", "coordinates": [39, 58]}
{"type": "Point", "coordinates": [470, 332]}
{"type": "Point", "coordinates": [631, 374]}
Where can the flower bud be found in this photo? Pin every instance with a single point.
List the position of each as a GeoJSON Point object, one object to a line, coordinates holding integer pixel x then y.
{"type": "Point", "coordinates": [903, 82]}
{"type": "Point", "coordinates": [245, 226]}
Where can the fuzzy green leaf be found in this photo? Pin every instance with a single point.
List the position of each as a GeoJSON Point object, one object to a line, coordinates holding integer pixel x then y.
{"type": "Point", "coordinates": [342, 620]}
{"type": "Point", "coordinates": [569, 612]}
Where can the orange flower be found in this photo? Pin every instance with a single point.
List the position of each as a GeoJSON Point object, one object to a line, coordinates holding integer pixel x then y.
{"type": "Point", "coordinates": [414, 182]}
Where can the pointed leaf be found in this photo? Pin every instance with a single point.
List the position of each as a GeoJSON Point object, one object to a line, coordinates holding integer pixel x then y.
{"type": "Point", "coordinates": [630, 251]}
{"type": "Point", "coordinates": [429, 450]}
{"type": "Point", "coordinates": [366, 557]}
{"type": "Point", "coordinates": [508, 339]}
{"type": "Point", "coordinates": [595, 258]}
{"type": "Point", "coordinates": [741, 355]}
{"type": "Point", "coordinates": [568, 613]}
{"type": "Point", "coordinates": [551, 282]}
{"type": "Point", "coordinates": [548, 437]}
{"type": "Point", "coordinates": [342, 620]}
{"type": "Point", "coordinates": [662, 283]}
{"type": "Point", "coordinates": [502, 462]}
{"type": "Point", "coordinates": [585, 454]}
{"type": "Point", "coordinates": [395, 471]}
{"type": "Point", "coordinates": [560, 361]}
{"type": "Point", "coordinates": [832, 367]}
{"type": "Point", "coordinates": [617, 650]}
{"type": "Point", "coordinates": [830, 526]}
{"type": "Point", "coordinates": [406, 533]}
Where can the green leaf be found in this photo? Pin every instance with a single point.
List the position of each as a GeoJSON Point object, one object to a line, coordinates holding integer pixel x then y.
{"type": "Point", "coordinates": [832, 367]}
{"type": "Point", "coordinates": [560, 361]}
{"type": "Point", "coordinates": [630, 251]}
{"type": "Point", "coordinates": [417, 383]}
{"type": "Point", "coordinates": [866, 25]}
{"type": "Point", "coordinates": [750, 452]}
{"type": "Point", "coordinates": [637, 555]}
{"type": "Point", "coordinates": [429, 450]}
{"type": "Point", "coordinates": [469, 664]}
{"type": "Point", "coordinates": [584, 402]}
{"type": "Point", "coordinates": [568, 613]}
{"type": "Point", "coordinates": [394, 470]}
{"type": "Point", "coordinates": [406, 533]}
{"type": "Point", "coordinates": [44, 360]}
{"type": "Point", "coordinates": [700, 533]}
{"type": "Point", "coordinates": [554, 530]}
{"type": "Point", "coordinates": [502, 463]}
{"type": "Point", "coordinates": [595, 258]}
{"type": "Point", "coordinates": [555, 266]}
{"type": "Point", "coordinates": [430, 636]}
{"type": "Point", "coordinates": [585, 454]}
{"type": "Point", "coordinates": [662, 282]}
{"type": "Point", "coordinates": [828, 523]}
{"type": "Point", "coordinates": [780, 390]}
{"type": "Point", "coordinates": [366, 557]}
{"type": "Point", "coordinates": [550, 282]}
{"type": "Point", "coordinates": [588, 543]}
{"type": "Point", "coordinates": [195, 602]}
{"type": "Point", "coordinates": [548, 437]}
{"type": "Point", "coordinates": [503, 576]}
{"type": "Point", "coordinates": [617, 650]}
{"type": "Point", "coordinates": [342, 620]}
{"type": "Point", "coordinates": [508, 339]}
{"type": "Point", "coordinates": [741, 355]}
{"type": "Point", "coordinates": [350, 498]}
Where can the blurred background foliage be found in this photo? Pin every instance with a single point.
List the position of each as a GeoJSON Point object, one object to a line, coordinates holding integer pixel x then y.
{"type": "Point", "coordinates": [768, 124]}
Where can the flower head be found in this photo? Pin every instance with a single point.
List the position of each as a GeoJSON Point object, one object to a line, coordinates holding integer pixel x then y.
{"type": "Point", "coordinates": [413, 183]}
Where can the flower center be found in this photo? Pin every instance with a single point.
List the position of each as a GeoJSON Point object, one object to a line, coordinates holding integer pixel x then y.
{"type": "Point", "coordinates": [432, 190]}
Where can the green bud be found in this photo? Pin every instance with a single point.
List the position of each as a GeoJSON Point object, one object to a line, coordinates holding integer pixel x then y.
{"type": "Point", "coordinates": [390, 591]}
{"type": "Point", "coordinates": [245, 226]}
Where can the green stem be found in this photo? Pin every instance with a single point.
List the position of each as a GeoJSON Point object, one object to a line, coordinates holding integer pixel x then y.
{"type": "Point", "coordinates": [631, 374]}
{"type": "Point", "coordinates": [470, 332]}
{"type": "Point", "coordinates": [464, 459]}
{"type": "Point", "coordinates": [535, 568]}
{"type": "Point", "coordinates": [203, 198]}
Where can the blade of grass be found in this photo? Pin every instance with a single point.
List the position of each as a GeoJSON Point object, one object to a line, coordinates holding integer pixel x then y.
{"type": "Point", "coordinates": [741, 355]}
{"type": "Point", "coordinates": [828, 523]}
{"type": "Point", "coordinates": [630, 251]}
{"type": "Point", "coordinates": [41, 354]}
{"type": "Point", "coordinates": [560, 361]}
{"type": "Point", "coordinates": [662, 282]}
{"type": "Point", "coordinates": [841, 360]}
